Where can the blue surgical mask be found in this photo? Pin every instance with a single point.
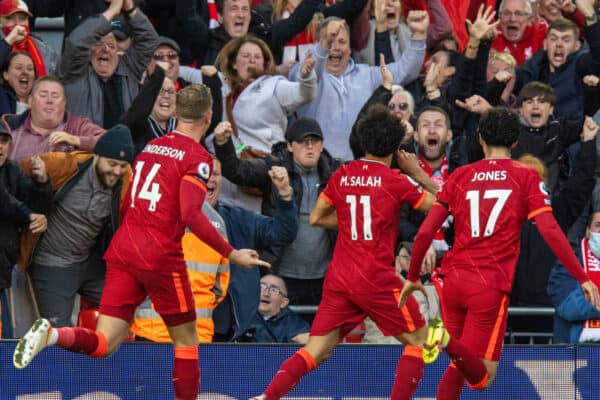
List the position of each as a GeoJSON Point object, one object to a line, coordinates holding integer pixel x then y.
{"type": "Point", "coordinates": [594, 243]}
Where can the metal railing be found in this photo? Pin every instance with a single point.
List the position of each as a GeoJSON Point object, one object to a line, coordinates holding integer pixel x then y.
{"type": "Point", "coordinates": [512, 311]}
{"type": "Point", "coordinates": [512, 336]}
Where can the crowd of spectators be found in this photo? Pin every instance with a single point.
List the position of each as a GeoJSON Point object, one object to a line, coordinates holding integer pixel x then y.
{"type": "Point", "coordinates": [290, 79]}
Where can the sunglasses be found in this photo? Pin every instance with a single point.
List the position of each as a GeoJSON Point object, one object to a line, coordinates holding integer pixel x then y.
{"type": "Point", "coordinates": [401, 106]}
{"type": "Point", "coordinates": [161, 56]}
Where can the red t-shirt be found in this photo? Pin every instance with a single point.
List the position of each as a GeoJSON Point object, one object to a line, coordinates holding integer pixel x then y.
{"type": "Point", "coordinates": [490, 200]}
{"type": "Point", "coordinates": [150, 235]}
{"type": "Point", "coordinates": [367, 196]}
{"type": "Point", "coordinates": [532, 41]}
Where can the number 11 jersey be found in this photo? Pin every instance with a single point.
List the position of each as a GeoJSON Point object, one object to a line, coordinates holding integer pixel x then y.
{"type": "Point", "coordinates": [367, 196]}
{"type": "Point", "coordinates": [150, 235]}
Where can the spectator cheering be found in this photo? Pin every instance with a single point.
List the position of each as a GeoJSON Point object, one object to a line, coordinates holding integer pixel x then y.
{"type": "Point", "coordinates": [46, 126]}
{"type": "Point", "coordinates": [18, 75]}
{"type": "Point", "coordinates": [274, 322]}
{"type": "Point", "coordinates": [14, 20]}
{"type": "Point", "coordinates": [99, 83]}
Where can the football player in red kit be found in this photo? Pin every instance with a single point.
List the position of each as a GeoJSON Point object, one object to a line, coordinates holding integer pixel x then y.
{"type": "Point", "coordinates": [363, 200]}
{"type": "Point", "coordinates": [490, 200]}
{"type": "Point", "coordinates": [145, 257]}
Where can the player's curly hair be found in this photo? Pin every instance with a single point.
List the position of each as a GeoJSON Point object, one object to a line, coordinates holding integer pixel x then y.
{"type": "Point", "coordinates": [499, 127]}
{"type": "Point", "coordinates": [379, 131]}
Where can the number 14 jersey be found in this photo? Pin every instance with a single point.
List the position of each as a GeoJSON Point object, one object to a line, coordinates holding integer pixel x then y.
{"type": "Point", "coordinates": [151, 232]}
{"type": "Point", "coordinates": [367, 196]}
{"type": "Point", "coordinates": [490, 200]}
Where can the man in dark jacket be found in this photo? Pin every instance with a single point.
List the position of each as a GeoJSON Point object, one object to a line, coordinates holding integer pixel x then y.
{"type": "Point", "coordinates": [21, 199]}
{"type": "Point", "coordinates": [562, 63]}
{"type": "Point", "coordinates": [245, 228]}
{"type": "Point", "coordinates": [302, 264]}
{"type": "Point", "coordinates": [535, 259]}
{"type": "Point", "coordinates": [274, 322]}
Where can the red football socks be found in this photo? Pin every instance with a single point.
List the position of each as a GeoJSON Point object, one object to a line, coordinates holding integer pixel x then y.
{"type": "Point", "coordinates": [408, 373]}
{"type": "Point", "coordinates": [186, 373]}
{"type": "Point", "coordinates": [82, 340]}
{"type": "Point", "coordinates": [468, 363]}
{"type": "Point", "coordinates": [289, 374]}
{"type": "Point", "coordinates": [451, 384]}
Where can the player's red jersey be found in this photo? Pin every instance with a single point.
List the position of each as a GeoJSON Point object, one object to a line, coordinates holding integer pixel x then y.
{"type": "Point", "coordinates": [150, 235]}
{"type": "Point", "coordinates": [490, 200]}
{"type": "Point", "coordinates": [367, 196]}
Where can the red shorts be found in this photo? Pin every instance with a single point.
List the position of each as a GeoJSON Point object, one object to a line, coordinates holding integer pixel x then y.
{"type": "Point", "coordinates": [476, 315]}
{"type": "Point", "coordinates": [126, 287]}
{"type": "Point", "coordinates": [345, 310]}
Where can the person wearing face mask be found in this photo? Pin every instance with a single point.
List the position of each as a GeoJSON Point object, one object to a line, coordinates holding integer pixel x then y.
{"type": "Point", "coordinates": [575, 319]}
{"type": "Point", "coordinates": [14, 20]}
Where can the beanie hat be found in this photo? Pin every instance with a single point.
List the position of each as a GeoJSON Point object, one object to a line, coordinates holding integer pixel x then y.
{"type": "Point", "coordinates": [116, 143]}
{"type": "Point", "coordinates": [301, 128]}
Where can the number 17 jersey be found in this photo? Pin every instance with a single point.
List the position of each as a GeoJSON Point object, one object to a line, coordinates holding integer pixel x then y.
{"type": "Point", "coordinates": [367, 196]}
{"type": "Point", "coordinates": [490, 200]}
{"type": "Point", "coordinates": [151, 232]}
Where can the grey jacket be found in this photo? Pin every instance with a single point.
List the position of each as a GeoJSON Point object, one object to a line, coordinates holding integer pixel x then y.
{"type": "Point", "coordinates": [82, 84]}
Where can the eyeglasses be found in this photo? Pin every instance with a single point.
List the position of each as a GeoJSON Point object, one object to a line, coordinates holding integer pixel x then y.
{"type": "Point", "coordinates": [164, 92]}
{"type": "Point", "coordinates": [109, 46]}
{"type": "Point", "coordinates": [516, 14]}
{"type": "Point", "coordinates": [400, 106]}
{"type": "Point", "coordinates": [272, 290]}
{"type": "Point", "coordinates": [161, 56]}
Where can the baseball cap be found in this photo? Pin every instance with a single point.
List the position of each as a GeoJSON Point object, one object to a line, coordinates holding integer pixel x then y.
{"type": "Point", "coordinates": [169, 42]}
{"type": "Point", "coordinates": [9, 7]}
{"type": "Point", "coordinates": [4, 128]}
{"type": "Point", "coordinates": [120, 29]}
{"type": "Point", "coordinates": [301, 128]}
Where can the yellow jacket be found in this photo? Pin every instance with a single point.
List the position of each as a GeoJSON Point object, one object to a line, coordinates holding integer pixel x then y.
{"type": "Point", "coordinates": [208, 272]}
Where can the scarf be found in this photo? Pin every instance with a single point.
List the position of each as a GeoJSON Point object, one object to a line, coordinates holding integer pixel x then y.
{"type": "Point", "coordinates": [157, 131]}
{"type": "Point", "coordinates": [29, 46]}
{"type": "Point", "coordinates": [591, 265]}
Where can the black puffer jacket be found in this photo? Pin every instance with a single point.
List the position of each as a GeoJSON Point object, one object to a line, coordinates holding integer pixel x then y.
{"type": "Point", "coordinates": [19, 197]}
{"type": "Point", "coordinates": [254, 173]}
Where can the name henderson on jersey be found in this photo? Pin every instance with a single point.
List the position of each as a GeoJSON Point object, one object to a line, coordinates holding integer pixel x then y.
{"type": "Point", "coordinates": [164, 151]}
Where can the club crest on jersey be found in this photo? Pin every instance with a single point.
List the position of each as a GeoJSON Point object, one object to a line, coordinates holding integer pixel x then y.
{"type": "Point", "coordinates": [203, 170]}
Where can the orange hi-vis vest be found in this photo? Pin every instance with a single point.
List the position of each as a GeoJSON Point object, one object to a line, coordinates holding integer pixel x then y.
{"type": "Point", "coordinates": [209, 278]}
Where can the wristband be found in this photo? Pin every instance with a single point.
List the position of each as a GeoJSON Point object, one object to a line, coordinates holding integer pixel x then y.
{"type": "Point", "coordinates": [132, 9]}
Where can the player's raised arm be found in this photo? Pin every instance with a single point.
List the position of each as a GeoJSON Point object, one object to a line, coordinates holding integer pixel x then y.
{"type": "Point", "coordinates": [192, 192]}
{"type": "Point", "coordinates": [323, 214]}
